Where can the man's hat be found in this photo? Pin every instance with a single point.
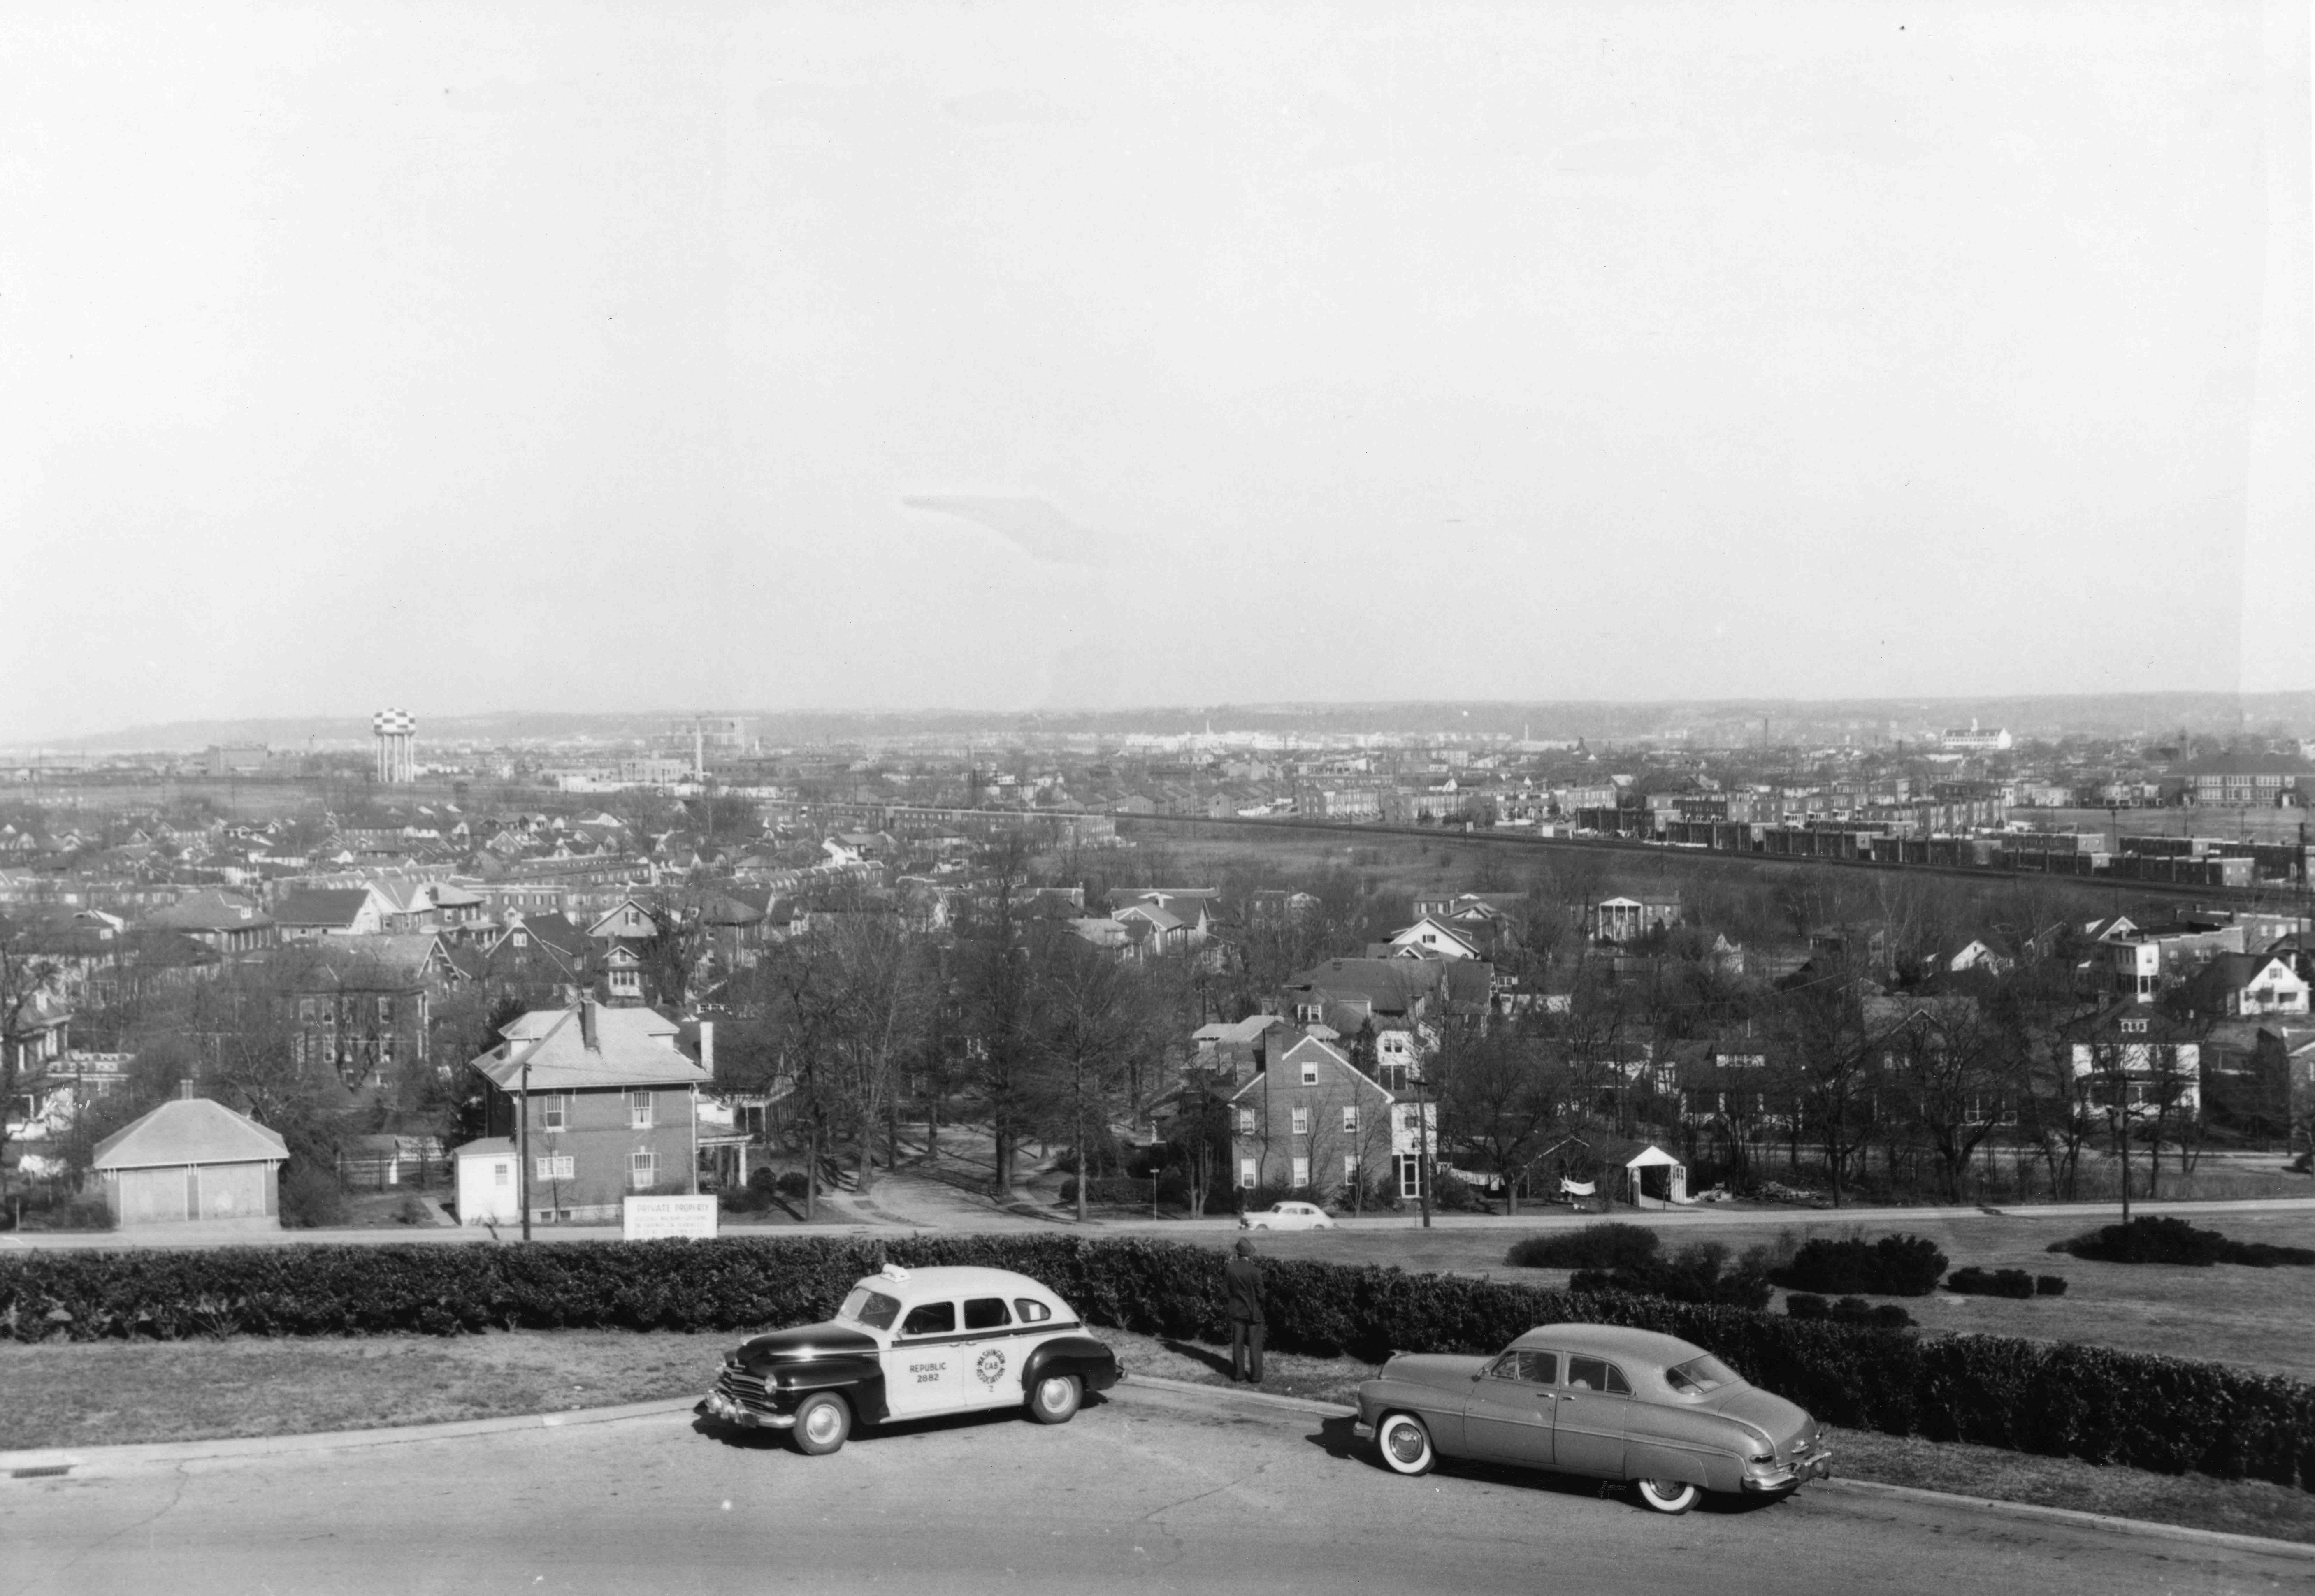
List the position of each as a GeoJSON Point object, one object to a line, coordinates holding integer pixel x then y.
{"type": "Point", "coordinates": [1246, 1247]}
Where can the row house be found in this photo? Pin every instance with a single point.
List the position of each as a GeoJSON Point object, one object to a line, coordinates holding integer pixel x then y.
{"type": "Point", "coordinates": [226, 922]}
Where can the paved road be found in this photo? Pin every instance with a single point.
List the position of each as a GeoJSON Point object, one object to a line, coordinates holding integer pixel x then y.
{"type": "Point", "coordinates": [901, 1205]}
{"type": "Point", "coordinates": [1151, 1490]}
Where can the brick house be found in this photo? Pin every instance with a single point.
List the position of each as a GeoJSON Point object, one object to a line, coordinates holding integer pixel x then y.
{"type": "Point", "coordinates": [1312, 1124]}
{"type": "Point", "coordinates": [601, 1103]}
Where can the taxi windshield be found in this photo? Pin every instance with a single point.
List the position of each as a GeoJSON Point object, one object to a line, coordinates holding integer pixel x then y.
{"type": "Point", "coordinates": [1699, 1376]}
{"type": "Point", "coordinates": [871, 1308]}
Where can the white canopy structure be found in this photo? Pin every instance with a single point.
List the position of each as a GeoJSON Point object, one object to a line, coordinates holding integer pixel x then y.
{"type": "Point", "coordinates": [1675, 1178]}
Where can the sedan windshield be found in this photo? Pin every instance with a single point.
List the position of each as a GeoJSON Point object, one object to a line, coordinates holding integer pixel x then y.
{"type": "Point", "coordinates": [1699, 1375]}
{"type": "Point", "coordinates": [871, 1308]}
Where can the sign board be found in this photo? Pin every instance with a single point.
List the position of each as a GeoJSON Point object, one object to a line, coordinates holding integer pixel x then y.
{"type": "Point", "coordinates": [656, 1219]}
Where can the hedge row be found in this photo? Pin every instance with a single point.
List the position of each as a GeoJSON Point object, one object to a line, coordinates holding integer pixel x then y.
{"type": "Point", "coordinates": [2163, 1413]}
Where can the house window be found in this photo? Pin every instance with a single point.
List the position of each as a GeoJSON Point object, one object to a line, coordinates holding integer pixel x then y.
{"type": "Point", "coordinates": [1410, 1176]}
{"type": "Point", "coordinates": [642, 1170]}
{"type": "Point", "coordinates": [1350, 1169]}
{"type": "Point", "coordinates": [639, 1111]}
{"type": "Point", "coordinates": [1394, 1077]}
{"type": "Point", "coordinates": [1246, 1122]}
{"type": "Point", "coordinates": [1246, 1177]}
{"type": "Point", "coordinates": [386, 1011]}
{"type": "Point", "coordinates": [1302, 1121]}
{"type": "Point", "coordinates": [1310, 1075]}
{"type": "Point", "coordinates": [502, 1174]}
{"type": "Point", "coordinates": [1301, 1174]}
{"type": "Point", "coordinates": [557, 1167]}
{"type": "Point", "coordinates": [1350, 1120]}
{"type": "Point", "coordinates": [1309, 1013]}
{"type": "Point", "coordinates": [555, 1114]}
{"type": "Point", "coordinates": [2134, 1027]}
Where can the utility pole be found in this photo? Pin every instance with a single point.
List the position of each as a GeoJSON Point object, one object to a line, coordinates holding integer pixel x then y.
{"type": "Point", "coordinates": [1422, 1124]}
{"type": "Point", "coordinates": [522, 1145]}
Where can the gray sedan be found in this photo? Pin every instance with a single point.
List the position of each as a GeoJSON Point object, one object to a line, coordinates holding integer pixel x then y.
{"type": "Point", "coordinates": [1600, 1401]}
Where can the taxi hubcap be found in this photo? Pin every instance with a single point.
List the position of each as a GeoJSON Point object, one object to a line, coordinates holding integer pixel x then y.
{"type": "Point", "coordinates": [821, 1425]}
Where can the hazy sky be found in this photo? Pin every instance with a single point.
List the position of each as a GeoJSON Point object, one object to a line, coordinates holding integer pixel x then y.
{"type": "Point", "coordinates": [480, 356]}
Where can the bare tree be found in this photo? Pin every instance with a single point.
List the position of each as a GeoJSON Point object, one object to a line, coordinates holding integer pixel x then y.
{"type": "Point", "coordinates": [28, 984]}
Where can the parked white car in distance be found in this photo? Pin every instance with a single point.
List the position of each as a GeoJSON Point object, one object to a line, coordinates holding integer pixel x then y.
{"type": "Point", "coordinates": [1287, 1216]}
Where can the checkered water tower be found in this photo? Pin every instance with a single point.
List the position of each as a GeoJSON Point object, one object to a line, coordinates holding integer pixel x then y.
{"type": "Point", "coordinates": [396, 731]}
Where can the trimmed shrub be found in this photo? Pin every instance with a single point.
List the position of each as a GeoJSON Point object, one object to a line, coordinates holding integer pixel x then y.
{"type": "Point", "coordinates": [1849, 1310]}
{"type": "Point", "coordinates": [1608, 1245]}
{"type": "Point", "coordinates": [2049, 1285]}
{"type": "Point", "coordinates": [2157, 1238]}
{"type": "Point", "coordinates": [1699, 1273]}
{"type": "Point", "coordinates": [1974, 1281]}
{"type": "Point", "coordinates": [1894, 1266]}
{"type": "Point", "coordinates": [2168, 1415]}
{"type": "Point", "coordinates": [1879, 1315]}
{"type": "Point", "coordinates": [794, 1185]}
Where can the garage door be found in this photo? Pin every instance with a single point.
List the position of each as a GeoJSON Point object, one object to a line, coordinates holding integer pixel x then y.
{"type": "Point", "coordinates": [150, 1196]}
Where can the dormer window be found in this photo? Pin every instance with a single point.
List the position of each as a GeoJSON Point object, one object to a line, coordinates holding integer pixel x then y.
{"type": "Point", "coordinates": [2134, 1027]}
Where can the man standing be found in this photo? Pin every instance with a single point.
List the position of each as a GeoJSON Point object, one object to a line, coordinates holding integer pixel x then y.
{"type": "Point", "coordinates": [1244, 1280]}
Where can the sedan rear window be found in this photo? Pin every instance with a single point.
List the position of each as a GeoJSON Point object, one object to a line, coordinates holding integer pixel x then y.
{"type": "Point", "coordinates": [871, 1308]}
{"type": "Point", "coordinates": [1699, 1375]}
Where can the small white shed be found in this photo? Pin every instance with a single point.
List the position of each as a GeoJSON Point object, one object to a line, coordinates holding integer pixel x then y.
{"type": "Point", "coordinates": [489, 1185]}
{"type": "Point", "coordinates": [1669, 1171]}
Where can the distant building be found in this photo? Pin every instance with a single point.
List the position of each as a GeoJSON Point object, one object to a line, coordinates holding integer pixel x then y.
{"type": "Point", "coordinates": [1972, 739]}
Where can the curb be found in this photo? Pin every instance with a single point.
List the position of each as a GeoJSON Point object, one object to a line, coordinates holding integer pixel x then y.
{"type": "Point", "coordinates": [2299, 1549]}
{"type": "Point", "coordinates": [47, 1461]}
{"type": "Point", "coordinates": [1309, 1405]}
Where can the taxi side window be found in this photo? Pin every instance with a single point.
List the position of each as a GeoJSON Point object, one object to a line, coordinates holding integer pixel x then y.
{"type": "Point", "coordinates": [985, 1313]}
{"type": "Point", "coordinates": [1031, 1311]}
{"type": "Point", "coordinates": [930, 1318]}
{"type": "Point", "coordinates": [1596, 1374]}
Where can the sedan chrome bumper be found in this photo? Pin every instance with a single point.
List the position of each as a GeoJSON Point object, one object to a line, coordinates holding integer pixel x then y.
{"type": "Point", "coordinates": [1771, 1475]}
{"type": "Point", "coordinates": [1362, 1430]}
{"type": "Point", "coordinates": [720, 1407]}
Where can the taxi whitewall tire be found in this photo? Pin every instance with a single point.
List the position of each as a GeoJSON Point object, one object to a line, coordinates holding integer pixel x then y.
{"type": "Point", "coordinates": [1670, 1497]}
{"type": "Point", "coordinates": [1056, 1399]}
{"type": "Point", "coordinates": [1404, 1444]}
{"type": "Point", "coordinates": [823, 1422]}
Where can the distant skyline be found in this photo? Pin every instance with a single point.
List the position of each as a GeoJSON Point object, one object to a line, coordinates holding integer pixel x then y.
{"type": "Point", "coordinates": [2288, 714]}
{"type": "Point", "coordinates": [1020, 356]}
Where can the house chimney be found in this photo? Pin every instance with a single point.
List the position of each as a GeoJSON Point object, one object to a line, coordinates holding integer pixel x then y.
{"type": "Point", "coordinates": [707, 1047]}
{"type": "Point", "coordinates": [587, 1033]}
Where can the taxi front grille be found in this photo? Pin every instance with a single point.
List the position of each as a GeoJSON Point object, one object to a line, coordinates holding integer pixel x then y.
{"type": "Point", "coordinates": [746, 1389]}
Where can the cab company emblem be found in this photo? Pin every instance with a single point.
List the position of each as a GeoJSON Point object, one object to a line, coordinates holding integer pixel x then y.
{"type": "Point", "coordinates": [990, 1367]}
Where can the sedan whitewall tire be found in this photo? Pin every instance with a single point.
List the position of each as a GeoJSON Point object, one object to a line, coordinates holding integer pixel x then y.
{"type": "Point", "coordinates": [1404, 1444]}
{"type": "Point", "coordinates": [1672, 1497]}
{"type": "Point", "coordinates": [823, 1421]}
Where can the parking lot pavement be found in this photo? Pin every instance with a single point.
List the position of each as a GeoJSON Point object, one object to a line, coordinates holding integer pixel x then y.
{"type": "Point", "coordinates": [1170, 1491]}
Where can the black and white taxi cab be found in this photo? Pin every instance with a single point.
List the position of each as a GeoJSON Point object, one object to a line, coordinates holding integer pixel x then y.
{"type": "Point", "coordinates": [913, 1345]}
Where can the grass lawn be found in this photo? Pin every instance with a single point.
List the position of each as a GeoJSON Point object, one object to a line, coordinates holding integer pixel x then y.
{"type": "Point", "coordinates": [62, 1395]}
{"type": "Point", "coordinates": [2253, 1318]}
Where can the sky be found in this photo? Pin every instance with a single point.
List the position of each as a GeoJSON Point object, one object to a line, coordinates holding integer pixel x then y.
{"type": "Point", "coordinates": [1011, 356]}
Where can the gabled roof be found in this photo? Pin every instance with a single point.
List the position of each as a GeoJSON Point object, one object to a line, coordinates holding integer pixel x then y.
{"type": "Point", "coordinates": [190, 1130]}
{"type": "Point", "coordinates": [321, 905]}
{"type": "Point", "coordinates": [210, 909]}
